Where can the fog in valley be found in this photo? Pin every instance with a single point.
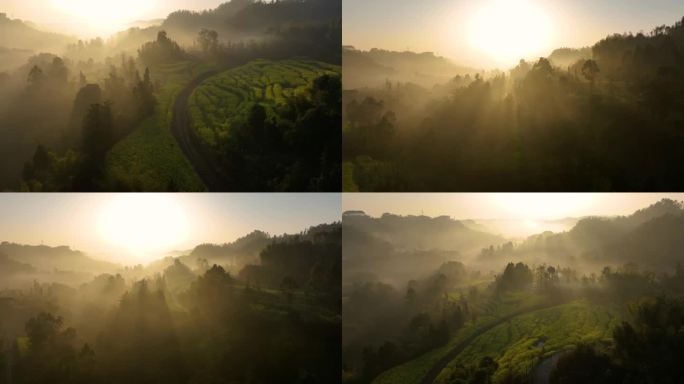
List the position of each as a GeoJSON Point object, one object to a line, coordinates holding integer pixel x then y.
{"type": "Point", "coordinates": [445, 300]}
{"type": "Point", "coordinates": [256, 308]}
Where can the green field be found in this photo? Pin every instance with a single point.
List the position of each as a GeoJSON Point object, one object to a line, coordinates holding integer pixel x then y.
{"type": "Point", "coordinates": [215, 104]}
{"type": "Point", "coordinates": [413, 371]}
{"type": "Point", "coordinates": [518, 344]}
{"type": "Point", "coordinates": [523, 342]}
{"type": "Point", "coordinates": [149, 158]}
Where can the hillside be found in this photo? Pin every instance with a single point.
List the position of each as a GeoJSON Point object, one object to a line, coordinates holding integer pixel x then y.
{"type": "Point", "coordinates": [599, 241]}
{"type": "Point", "coordinates": [236, 20]}
{"type": "Point", "coordinates": [45, 258]}
{"type": "Point", "coordinates": [17, 34]}
{"type": "Point", "coordinates": [393, 249]}
{"type": "Point", "coordinates": [374, 67]}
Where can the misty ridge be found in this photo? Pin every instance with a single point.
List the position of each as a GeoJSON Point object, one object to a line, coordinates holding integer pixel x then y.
{"type": "Point", "coordinates": [97, 115]}
{"type": "Point", "coordinates": [261, 309]}
{"type": "Point", "coordinates": [391, 245]}
{"type": "Point", "coordinates": [580, 119]}
{"type": "Point", "coordinates": [442, 300]}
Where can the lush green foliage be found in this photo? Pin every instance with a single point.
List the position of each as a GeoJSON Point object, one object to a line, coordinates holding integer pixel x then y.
{"type": "Point", "coordinates": [520, 344]}
{"type": "Point", "coordinates": [219, 101]}
{"type": "Point", "coordinates": [271, 125]}
{"type": "Point", "coordinates": [487, 312]}
{"type": "Point", "coordinates": [149, 159]}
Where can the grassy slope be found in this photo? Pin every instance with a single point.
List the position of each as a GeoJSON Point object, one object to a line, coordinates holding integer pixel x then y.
{"type": "Point", "coordinates": [413, 371]}
{"type": "Point", "coordinates": [219, 99]}
{"type": "Point", "coordinates": [149, 159]}
{"type": "Point", "coordinates": [513, 344]}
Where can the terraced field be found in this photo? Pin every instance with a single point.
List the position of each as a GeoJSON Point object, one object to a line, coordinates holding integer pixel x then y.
{"type": "Point", "coordinates": [523, 342]}
{"type": "Point", "coordinates": [415, 371]}
{"type": "Point", "coordinates": [219, 100]}
{"type": "Point", "coordinates": [518, 331]}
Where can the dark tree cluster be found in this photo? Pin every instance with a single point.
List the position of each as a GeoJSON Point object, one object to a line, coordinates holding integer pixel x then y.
{"type": "Point", "coordinates": [100, 117]}
{"type": "Point", "coordinates": [390, 329]}
{"type": "Point", "coordinates": [646, 350]}
{"type": "Point", "coordinates": [294, 147]}
{"type": "Point", "coordinates": [515, 277]}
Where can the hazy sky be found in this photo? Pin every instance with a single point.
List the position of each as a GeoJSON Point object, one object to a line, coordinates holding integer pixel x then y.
{"type": "Point", "coordinates": [111, 225]}
{"type": "Point", "coordinates": [519, 206]}
{"type": "Point", "coordinates": [446, 26]}
{"type": "Point", "coordinates": [90, 18]}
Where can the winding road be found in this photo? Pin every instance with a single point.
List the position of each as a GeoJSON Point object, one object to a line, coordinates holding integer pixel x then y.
{"type": "Point", "coordinates": [454, 352]}
{"type": "Point", "coordinates": [195, 151]}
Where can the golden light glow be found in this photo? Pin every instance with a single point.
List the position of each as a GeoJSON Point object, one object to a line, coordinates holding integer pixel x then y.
{"type": "Point", "coordinates": [543, 206]}
{"type": "Point", "coordinates": [143, 224]}
{"type": "Point", "coordinates": [510, 30]}
{"type": "Point", "coordinates": [105, 15]}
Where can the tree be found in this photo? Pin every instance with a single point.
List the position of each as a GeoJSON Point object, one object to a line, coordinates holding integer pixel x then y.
{"type": "Point", "coordinates": [585, 365]}
{"type": "Point", "coordinates": [144, 95]}
{"type": "Point", "coordinates": [52, 355]}
{"type": "Point", "coordinates": [589, 70]}
{"type": "Point", "coordinates": [35, 76]}
{"type": "Point", "coordinates": [650, 347]}
{"type": "Point", "coordinates": [96, 139]}
{"type": "Point", "coordinates": [58, 72]}
{"type": "Point", "coordinates": [208, 41]}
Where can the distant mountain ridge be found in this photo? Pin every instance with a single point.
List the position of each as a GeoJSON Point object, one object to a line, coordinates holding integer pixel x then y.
{"type": "Point", "coordinates": [45, 258]}
{"type": "Point", "coordinates": [18, 34]}
{"type": "Point", "coordinates": [374, 67]}
{"type": "Point", "coordinates": [236, 20]}
{"type": "Point", "coordinates": [652, 237]}
{"type": "Point", "coordinates": [394, 248]}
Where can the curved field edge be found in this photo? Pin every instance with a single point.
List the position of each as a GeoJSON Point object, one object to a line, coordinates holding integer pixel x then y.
{"type": "Point", "coordinates": [220, 99]}
{"type": "Point", "coordinates": [149, 159]}
{"type": "Point", "coordinates": [523, 342]}
{"type": "Point", "coordinates": [414, 371]}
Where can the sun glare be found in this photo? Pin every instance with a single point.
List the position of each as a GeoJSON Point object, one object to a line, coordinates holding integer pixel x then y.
{"type": "Point", "coordinates": [543, 206]}
{"type": "Point", "coordinates": [510, 30]}
{"type": "Point", "coordinates": [143, 224]}
{"type": "Point", "coordinates": [105, 15]}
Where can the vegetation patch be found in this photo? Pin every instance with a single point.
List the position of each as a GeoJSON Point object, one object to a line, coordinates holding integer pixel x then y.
{"type": "Point", "coordinates": [149, 158]}
{"type": "Point", "coordinates": [219, 100]}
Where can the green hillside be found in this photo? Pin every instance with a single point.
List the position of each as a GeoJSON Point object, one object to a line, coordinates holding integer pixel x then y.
{"type": "Point", "coordinates": [219, 100]}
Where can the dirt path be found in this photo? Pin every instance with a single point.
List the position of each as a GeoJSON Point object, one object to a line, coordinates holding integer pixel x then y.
{"type": "Point", "coordinates": [542, 372]}
{"type": "Point", "coordinates": [197, 152]}
{"type": "Point", "coordinates": [453, 353]}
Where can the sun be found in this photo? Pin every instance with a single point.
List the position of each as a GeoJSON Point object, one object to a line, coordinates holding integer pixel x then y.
{"type": "Point", "coordinates": [105, 15]}
{"type": "Point", "coordinates": [534, 207]}
{"type": "Point", "coordinates": [144, 225]}
{"type": "Point", "coordinates": [510, 30]}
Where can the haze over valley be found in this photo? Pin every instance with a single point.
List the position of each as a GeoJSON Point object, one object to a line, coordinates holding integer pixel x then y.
{"type": "Point", "coordinates": [150, 314]}
{"type": "Point", "coordinates": [435, 299]}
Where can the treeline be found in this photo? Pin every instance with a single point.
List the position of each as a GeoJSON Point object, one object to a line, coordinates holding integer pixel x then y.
{"type": "Point", "coordinates": [583, 127]}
